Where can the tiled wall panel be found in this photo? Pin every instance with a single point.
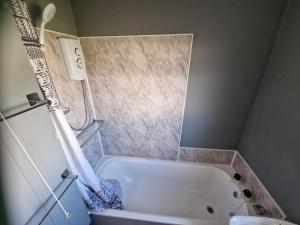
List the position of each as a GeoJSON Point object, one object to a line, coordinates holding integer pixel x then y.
{"type": "Point", "coordinates": [202, 155]}
{"type": "Point", "coordinates": [70, 93]}
{"type": "Point", "coordinates": [139, 86]}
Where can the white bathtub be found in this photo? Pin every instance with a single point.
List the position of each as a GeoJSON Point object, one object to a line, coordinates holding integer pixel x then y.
{"type": "Point", "coordinates": [172, 192]}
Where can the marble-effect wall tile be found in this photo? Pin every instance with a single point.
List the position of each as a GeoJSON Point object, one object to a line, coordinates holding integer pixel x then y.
{"type": "Point", "coordinates": [69, 93]}
{"type": "Point", "coordinates": [91, 151]}
{"type": "Point", "coordinates": [250, 181]}
{"type": "Point", "coordinates": [202, 155]}
{"type": "Point", "coordinates": [139, 86]}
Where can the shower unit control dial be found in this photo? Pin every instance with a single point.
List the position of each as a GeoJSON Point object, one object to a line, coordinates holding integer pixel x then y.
{"type": "Point", "coordinates": [73, 58]}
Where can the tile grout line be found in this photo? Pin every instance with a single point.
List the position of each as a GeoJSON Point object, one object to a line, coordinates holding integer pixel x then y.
{"type": "Point", "coordinates": [178, 154]}
{"type": "Point", "coordinates": [133, 35]}
{"type": "Point", "coordinates": [233, 158]}
{"type": "Point", "coordinates": [186, 87]}
{"type": "Point", "coordinates": [210, 149]}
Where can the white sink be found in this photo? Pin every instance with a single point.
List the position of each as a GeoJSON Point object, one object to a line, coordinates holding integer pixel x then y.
{"type": "Point", "coordinates": [253, 220]}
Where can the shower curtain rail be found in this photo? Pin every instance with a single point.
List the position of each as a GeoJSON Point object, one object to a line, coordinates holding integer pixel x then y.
{"type": "Point", "coordinates": [23, 108]}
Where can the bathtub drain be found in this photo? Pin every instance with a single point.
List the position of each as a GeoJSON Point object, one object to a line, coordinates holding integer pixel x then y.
{"type": "Point", "coordinates": [210, 210]}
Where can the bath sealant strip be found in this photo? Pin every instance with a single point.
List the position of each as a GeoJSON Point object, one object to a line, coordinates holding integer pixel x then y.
{"type": "Point", "coordinates": [67, 214]}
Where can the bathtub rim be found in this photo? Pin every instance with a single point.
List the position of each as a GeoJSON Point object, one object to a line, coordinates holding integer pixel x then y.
{"type": "Point", "coordinates": [174, 220]}
{"type": "Point", "coordinates": [223, 168]}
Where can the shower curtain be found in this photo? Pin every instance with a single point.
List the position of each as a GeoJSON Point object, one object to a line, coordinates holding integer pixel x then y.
{"type": "Point", "coordinates": [97, 193]}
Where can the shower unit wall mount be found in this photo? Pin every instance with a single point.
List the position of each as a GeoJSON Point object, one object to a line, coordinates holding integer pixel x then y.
{"type": "Point", "coordinates": [73, 58]}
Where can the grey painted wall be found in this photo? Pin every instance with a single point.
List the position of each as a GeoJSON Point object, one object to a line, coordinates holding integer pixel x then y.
{"type": "Point", "coordinates": [62, 22]}
{"type": "Point", "coordinates": [23, 190]}
{"type": "Point", "coordinates": [16, 75]}
{"type": "Point", "coordinates": [3, 208]}
{"type": "Point", "coordinates": [16, 80]}
{"type": "Point", "coordinates": [232, 41]}
{"type": "Point", "coordinates": [271, 142]}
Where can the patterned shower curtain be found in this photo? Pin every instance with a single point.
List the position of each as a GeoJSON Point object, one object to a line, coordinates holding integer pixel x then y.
{"type": "Point", "coordinates": [97, 193]}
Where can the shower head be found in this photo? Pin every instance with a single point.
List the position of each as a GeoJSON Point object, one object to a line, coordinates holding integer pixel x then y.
{"type": "Point", "coordinates": [47, 16]}
{"type": "Point", "coordinates": [48, 13]}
